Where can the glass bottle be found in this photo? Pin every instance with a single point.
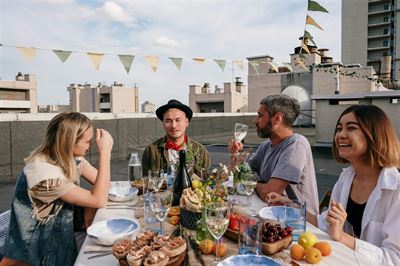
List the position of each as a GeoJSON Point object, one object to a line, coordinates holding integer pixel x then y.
{"type": "Point", "coordinates": [182, 179]}
{"type": "Point", "coordinates": [134, 167]}
{"type": "Point", "coordinates": [202, 231]}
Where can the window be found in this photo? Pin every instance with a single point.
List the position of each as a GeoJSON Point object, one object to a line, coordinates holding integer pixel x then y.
{"type": "Point", "coordinates": [385, 19]}
{"type": "Point", "coordinates": [386, 7]}
{"type": "Point", "coordinates": [385, 43]}
{"type": "Point", "coordinates": [385, 31]}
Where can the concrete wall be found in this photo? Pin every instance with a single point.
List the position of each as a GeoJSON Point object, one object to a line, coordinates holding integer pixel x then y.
{"type": "Point", "coordinates": [21, 133]}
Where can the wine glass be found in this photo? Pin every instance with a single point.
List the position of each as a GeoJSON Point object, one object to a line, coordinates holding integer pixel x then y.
{"type": "Point", "coordinates": [249, 183]}
{"type": "Point", "coordinates": [240, 131]}
{"type": "Point", "coordinates": [217, 219]}
{"type": "Point", "coordinates": [160, 203]}
{"type": "Point", "coordinates": [156, 179]}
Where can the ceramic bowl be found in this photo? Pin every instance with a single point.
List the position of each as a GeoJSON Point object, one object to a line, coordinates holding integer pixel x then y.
{"type": "Point", "coordinates": [120, 193]}
{"type": "Point", "coordinates": [108, 231]}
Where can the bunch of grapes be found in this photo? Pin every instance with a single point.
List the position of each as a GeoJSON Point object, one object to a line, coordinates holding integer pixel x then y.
{"type": "Point", "coordinates": [272, 233]}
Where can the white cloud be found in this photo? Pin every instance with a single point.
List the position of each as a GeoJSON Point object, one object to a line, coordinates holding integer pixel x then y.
{"type": "Point", "coordinates": [115, 12]}
{"type": "Point", "coordinates": [162, 41]}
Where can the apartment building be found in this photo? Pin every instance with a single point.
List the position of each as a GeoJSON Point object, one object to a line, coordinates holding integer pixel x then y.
{"type": "Point", "coordinates": [19, 96]}
{"type": "Point", "coordinates": [370, 36]}
{"type": "Point", "coordinates": [116, 98]}
{"type": "Point", "coordinates": [230, 99]}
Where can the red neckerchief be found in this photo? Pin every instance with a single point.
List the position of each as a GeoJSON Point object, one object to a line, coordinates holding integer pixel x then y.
{"type": "Point", "coordinates": [174, 146]}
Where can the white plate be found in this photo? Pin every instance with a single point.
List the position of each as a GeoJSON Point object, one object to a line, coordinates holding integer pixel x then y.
{"type": "Point", "coordinates": [122, 191]}
{"type": "Point", "coordinates": [248, 260]}
{"type": "Point", "coordinates": [106, 232]}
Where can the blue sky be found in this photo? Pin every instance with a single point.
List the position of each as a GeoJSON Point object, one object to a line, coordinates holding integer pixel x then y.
{"type": "Point", "coordinates": [213, 29]}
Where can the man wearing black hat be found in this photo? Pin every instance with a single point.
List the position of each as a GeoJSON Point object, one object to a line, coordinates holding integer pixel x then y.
{"type": "Point", "coordinates": [175, 117]}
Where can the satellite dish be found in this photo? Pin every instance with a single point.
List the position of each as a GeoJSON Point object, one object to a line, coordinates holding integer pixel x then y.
{"type": "Point", "coordinates": [299, 93]}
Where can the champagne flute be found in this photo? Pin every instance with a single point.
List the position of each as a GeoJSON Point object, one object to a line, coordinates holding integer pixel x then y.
{"type": "Point", "coordinates": [160, 203]}
{"type": "Point", "coordinates": [156, 179]}
{"type": "Point", "coordinates": [240, 131]}
{"type": "Point", "coordinates": [217, 219]}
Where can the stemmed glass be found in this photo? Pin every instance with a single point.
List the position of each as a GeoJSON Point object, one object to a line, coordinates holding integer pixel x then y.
{"type": "Point", "coordinates": [249, 183]}
{"type": "Point", "coordinates": [240, 131]}
{"type": "Point", "coordinates": [160, 203]}
{"type": "Point", "coordinates": [217, 219]}
{"type": "Point", "coordinates": [156, 179]}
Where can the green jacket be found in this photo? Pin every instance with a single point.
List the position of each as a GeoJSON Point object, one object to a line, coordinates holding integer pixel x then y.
{"type": "Point", "coordinates": [155, 156]}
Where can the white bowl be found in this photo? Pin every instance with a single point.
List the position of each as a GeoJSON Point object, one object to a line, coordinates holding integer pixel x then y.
{"type": "Point", "coordinates": [121, 193]}
{"type": "Point", "coordinates": [281, 213]}
{"type": "Point", "coordinates": [106, 232]}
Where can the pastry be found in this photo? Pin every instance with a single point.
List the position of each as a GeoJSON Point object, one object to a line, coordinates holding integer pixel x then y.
{"type": "Point", "coordinates": [121, 248]}
{"type": "Point", "coordinates": [175, 246]}
{"type": "Point", "coordinates": [156, 258]}
{"type": "Point", "coordinates": [135, 257]}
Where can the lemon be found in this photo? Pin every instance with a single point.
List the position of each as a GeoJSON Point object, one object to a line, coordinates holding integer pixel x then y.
{"type": "Point", "coordinates": [196, 184]}
{"type": "Point", "coordinates": [307, 240]}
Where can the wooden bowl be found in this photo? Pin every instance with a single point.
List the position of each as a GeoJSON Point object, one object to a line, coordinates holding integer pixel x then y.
{"type": "Point", "coordinates": [232, 234]}
{"type": "Point", "coordinates": [274, 247]}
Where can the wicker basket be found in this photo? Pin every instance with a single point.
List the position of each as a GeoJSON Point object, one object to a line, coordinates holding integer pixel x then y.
{"type": "Point", "coordinates": [189, 219]}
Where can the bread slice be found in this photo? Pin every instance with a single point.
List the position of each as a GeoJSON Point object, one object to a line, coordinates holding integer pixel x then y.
{"type": "Point", "coordinates": [175, 246]}
{"type": "Point", "coordinates": [156, 258]}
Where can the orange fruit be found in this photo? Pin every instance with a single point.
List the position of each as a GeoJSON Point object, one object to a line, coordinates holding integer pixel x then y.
{"type": "Point", "coordinates": [174, 211]}
{"type": "Point", "coordinates": [174, 220]}
{"type": "Point", "coordinates": [313, 255]}
{"type": "Point", "coordinates": [297, 252]}
{"type": "Point", "coordinates": [324, 247]}
{"type": "Point", "coordinates": [206, 246]}
{"type": "Point", "coordinates": [222, 249]}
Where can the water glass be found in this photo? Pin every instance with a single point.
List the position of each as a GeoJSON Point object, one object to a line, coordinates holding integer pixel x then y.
{"type": "Point", "coordinates": [240, 131]}
{"type": "Point", "coordinates": [250, 235]}
{"type": "Point", "coordinates": [160, 203]}
{"type": "Point", "coordinates": [156, 179]}
{"type": "Point", "coordinates": [296, 217]}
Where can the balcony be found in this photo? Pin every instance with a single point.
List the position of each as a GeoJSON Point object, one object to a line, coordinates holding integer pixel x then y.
{"type": "Point", "coordinates": [10, 104]}
{"type": "Point", "coordinates": [381, 36]}
{"type": "Point", "coordinates": [379, 24]}
{"type": "Point", "coordinates": [379, 12]}
{"type": "Point", "coordinates": [378, 48]}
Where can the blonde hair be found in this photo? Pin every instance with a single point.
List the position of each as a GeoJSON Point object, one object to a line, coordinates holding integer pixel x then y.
{"type": "Point", "coordinates": [62, 133]}
{"type": "Point", "coordinates": [383, 142]}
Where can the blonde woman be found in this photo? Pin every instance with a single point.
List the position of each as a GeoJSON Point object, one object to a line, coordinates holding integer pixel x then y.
{"type": "Point", "coordinates": [365, 202]}
{"type": "Point", "coordinates": [41, 225]}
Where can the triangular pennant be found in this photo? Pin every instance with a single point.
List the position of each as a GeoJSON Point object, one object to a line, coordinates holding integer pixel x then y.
{"type": "Point", "coordinates": [301, 63]}
{"type": "Point", "coordinates": [311, 21]}
{"type": "Point", "coordinates": [96, 59]}
{"type": "Point", "coordinates": [256, 67]}
{"type": "Point", "coordinates": [314, 6]}
{"type": "Point", "coordinates": [221, 63]}
{"type": "Point", "coordinates": [304, 47]}
{"type": "Point", "coordinates": [273, 66]}
{"type": "Point", "coordinates": [239, 63]}
{"type": "Point", "coordinates": [199, 60]}
{"type": "Point", "coordinates": [177, 62]}
{"type": "Point", "coordinates": [309, 36]}
{"type": "Point", "coordinates": [27, 52]}
{"type": "Point", "coordinates": [62, 55]}
{"type": "Point", "coordinates": [126, 61]}
{"type": "Point", "coordinates": [153, 61]}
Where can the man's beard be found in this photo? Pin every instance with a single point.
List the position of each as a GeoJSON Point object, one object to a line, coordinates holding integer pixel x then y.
{"type": "Point", "coordinates": [265, 132]}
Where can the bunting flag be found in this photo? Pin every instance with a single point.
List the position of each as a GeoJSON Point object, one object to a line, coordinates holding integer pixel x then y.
{"type": "Point", "coordinates": [28, 52]}
{"type": "Point", "coordinates": [256, 67]}
{"type": "Point", "coordinates": [153, 61]}
{"type": "Point", "coordinates": [96, 59]}
{"type": "Point", "coordinates": [309, 36]}
{"type": "Point", "coordinates": [314, 6]}
{"type": "Point", "coordinates": [304, 47]}
{"type": "Point", "coordinates": [239, 64]}
{"type": "Point", "coordinates": [311, 21]}
{"type": "Point", "coordinates": [126, 61]}
{"type": "Point", "coordinates": [199, 60]}
{"type": "Point", "coordinates": [177, 62]}
{"type": "Point", "coordinates": [62, 55]}
{"type": "Point", "coordinates": [221, 63]}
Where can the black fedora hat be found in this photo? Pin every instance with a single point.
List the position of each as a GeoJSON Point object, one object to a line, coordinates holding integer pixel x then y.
{"type": "Point", "coordinates": [174, 104]}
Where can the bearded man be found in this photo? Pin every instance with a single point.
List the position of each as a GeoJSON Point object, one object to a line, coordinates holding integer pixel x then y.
{"type": "Point", "coordinates": [284, 161]}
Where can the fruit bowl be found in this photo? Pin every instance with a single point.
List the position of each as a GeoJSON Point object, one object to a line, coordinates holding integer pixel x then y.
{"type": "Point", "coordinates": [276, 246]}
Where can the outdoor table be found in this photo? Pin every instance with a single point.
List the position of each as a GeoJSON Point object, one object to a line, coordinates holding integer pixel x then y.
{"type": "Point", "coordinates": [341, 255]}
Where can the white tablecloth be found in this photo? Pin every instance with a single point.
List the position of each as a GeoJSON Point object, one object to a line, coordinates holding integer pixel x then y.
{"type": "Point", "coordinates": [341, 255]}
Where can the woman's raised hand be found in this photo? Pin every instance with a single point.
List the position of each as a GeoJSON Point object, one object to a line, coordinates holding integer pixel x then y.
{"type": "Point", "coordinates": [104, 141]}
{"type": "Point", "coordinates": [336, 218]}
